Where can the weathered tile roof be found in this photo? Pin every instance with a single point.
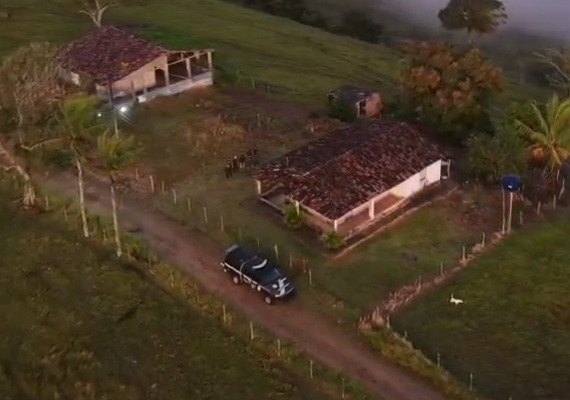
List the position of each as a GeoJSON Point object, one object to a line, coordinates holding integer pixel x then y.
{"type": "Point", "coordinates": [346, 168]}
{"type": "Point", "coordinates": [108, 54]}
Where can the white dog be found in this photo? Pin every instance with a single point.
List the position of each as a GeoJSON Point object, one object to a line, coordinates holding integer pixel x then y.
{"type": "Point", "coordinates": [455, 301]}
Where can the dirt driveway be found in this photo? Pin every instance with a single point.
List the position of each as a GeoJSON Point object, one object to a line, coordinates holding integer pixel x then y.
{"type": "Point", "coordinates": [198, 256]}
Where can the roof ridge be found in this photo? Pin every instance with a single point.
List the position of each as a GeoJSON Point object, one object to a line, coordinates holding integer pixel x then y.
{"type": "Point", "coordinates": [375, 136]}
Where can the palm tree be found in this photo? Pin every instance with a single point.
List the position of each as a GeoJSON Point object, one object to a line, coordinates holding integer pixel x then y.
{"type": "Point", "coordinates": [115, 153]}
{"type": "Point", "coordinates": [551, 139]}
{"type": "Point", "coordinates": [74, 127]}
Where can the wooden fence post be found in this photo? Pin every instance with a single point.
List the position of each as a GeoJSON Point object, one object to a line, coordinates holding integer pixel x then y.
{"type": "Point", "coordinates": [471, 381]}
{"type": "Point", "coordinates": [221, 223]}
{"type": "Point", "coordinates": [310, 277]}
{"type": "Point", "coordinates": [278, 347]}
{"type": "Point", "coordinates": [189, 204]}
{"type": "Point", "coordinates": [463, 255]}
{"type": "Point", "coordinates": [311, 368]}
{"type": "Point", "coordinates": [441, 268]}
{"type": "Point", "coordinates": [163, 188]}
{"type": "Point", "coordinates": [483, 240]}
{"type": "Point", "coordinates": [538, 208]}
{"type": "Point", "coordinates": [151, 182]}
{"type": "Point", "coordinates": [174, 196]}
{"type": "Point", "coordinates": [205, 214]}
{"type": "Point", "coordinates": [47, 202]}
{"type": "Point", "coordinates": [251, 334]}
{"type": "Point", "coordinates": [224, 314]}
{"type": "Point", "coordinates": [276, 253]}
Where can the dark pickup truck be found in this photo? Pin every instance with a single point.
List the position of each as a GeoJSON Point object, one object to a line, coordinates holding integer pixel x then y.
{"type": "Point", "coordinates": [260, 273]}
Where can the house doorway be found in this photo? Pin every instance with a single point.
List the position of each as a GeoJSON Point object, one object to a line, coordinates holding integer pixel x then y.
{"type": "Point", "coordinates": [160, 77]}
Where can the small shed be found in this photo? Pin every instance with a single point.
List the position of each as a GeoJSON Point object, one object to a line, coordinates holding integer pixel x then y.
{"type": "Point", "coordinates": [364, 103]}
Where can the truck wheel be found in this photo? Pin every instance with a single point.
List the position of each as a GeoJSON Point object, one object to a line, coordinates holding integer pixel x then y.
{"type": "Point", "coordinates": [235, 279]}
{"type": "Point", "coordinates": [268, 300]}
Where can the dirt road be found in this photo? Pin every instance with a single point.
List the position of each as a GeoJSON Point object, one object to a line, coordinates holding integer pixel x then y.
{"type": "Point", "coordinates": [198, 256]}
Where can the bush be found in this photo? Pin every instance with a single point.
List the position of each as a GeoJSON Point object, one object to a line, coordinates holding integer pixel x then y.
{"type": "Point", "coordinates": [294, 219]}
{"type": "Point", "coordinates": [333, 240]}
{"type": "Point", "coordinates": [341, 111]}
{"type": "Point", "coordinates": [491, 157]}
{"type": "Point", "coordinates": [357, 24]}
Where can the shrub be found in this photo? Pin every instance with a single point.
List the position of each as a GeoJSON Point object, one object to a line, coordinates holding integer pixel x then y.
{"type": "Point", "coordinates": [333, 240]}
{"type": "Point", "coordinates": [294, 219]}
{"type": "Point", "coordinates": [490, 157]}
{"type": "Point", "coordinates": [341, 111]}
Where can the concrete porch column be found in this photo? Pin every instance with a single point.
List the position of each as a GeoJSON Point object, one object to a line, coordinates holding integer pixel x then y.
{"type": "Point", "coordinates": [166, 77]}
{"type": "Point", "coordinates": [188, 68]}
{"type": "Point", "coordinates": [210, 64]}
{"type": "Point", "coordinates": [371, 209]}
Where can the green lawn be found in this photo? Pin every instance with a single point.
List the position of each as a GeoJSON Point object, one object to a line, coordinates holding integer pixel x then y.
{"type": "Point", "coordinates": [513, 331]}
{"type": "Point", "coordinates": [300, 61]}
{"type": "Point", "coordinates": [79, 323]}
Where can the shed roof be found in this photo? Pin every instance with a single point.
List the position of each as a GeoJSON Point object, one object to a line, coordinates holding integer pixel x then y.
{"type": "Point", "coordinates": [109, 54]}
{"type": "Point", "coordinates": [340, 171]}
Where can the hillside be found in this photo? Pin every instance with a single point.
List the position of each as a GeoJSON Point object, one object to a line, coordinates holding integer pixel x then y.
{"type": "Point", "coordinates": [295, 59]}
{"type": "Point", "coordinates": [79, 324]}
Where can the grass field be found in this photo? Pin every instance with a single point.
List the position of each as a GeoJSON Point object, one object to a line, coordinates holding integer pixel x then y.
{"type": "Point", "coordinates": [297, 60]}
{"type": "Point", "coordinates": [513, 332]}
{"type": "Point", "coordinates": [78, 324]}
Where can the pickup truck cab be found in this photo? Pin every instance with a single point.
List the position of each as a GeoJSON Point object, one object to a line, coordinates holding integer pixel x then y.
{"type": "Point", "coordinates": [258, 272]}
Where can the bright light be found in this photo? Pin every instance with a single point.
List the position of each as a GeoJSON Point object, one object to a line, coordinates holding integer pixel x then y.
{"type": "Point", "coordinates": [123, 109]}
{"type": "Point", "coordinates": [99, 114]}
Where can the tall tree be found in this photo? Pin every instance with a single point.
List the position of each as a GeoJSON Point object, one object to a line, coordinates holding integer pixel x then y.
{"type": "Point", "coordinates": [116, 153]}
{"type": "Point", "coordinates": [473, 16]}
{"type": "Point", "coordinates": [448, 89]}
{"type": "Point", "coordinates": [559, 62]}
{"type": "Point", "coordinates": [73, 129]}
{"type": "Point", "coordinates": [95, 10]}
{"type": "Point", "coordinates": [30, 84]}
{"type": "Point", "coordinates": [551, 140]}
{"type": "Point", "coordinates": [29, 89]}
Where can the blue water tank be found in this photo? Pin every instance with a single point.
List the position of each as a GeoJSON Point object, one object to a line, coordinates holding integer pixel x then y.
{"type": "Point", "coordinates": [511, 183]}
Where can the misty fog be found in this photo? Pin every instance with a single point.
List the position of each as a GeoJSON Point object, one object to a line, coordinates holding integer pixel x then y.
{"type": "Point", "coordinates": [540, 17]}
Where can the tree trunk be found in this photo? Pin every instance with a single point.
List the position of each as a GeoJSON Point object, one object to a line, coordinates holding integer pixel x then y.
{"type": "Point", "coordinates": [29, 192]}
{"type": "Point", "coordinates": [116, 221]}
{"type": "Point", "coordinates": [82, 198]}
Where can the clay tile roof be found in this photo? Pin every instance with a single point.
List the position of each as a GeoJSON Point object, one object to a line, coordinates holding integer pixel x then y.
{"type": "Point", "coordinates": [346, 168]}
{"type": "Point", "coordinates": [108, 54]}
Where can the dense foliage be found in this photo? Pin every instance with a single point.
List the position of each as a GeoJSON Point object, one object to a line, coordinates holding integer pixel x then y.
{"type": "Point", "coordinates": [548, 131]}
{"type": "Point", "coordinates": [448, 89]}
{"type": "Point", "coordinates": [354, 23]}
{"type": "Point", "coordinates": [293, 218]}
{"type": "Point", "coordinates": [333, 240]}
{"type": "Point", "coordinates": [479, 16]}
{"type": "Point", "coordinates": [492, 156]}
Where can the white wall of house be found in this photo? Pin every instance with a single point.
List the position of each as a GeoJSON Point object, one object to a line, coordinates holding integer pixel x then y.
{"type": "Point", "coordinates": [138, 80]}
{"type": "Point", "coordinates": [417, 182]}
{"type": "Point", "coordinates": [144, 77]}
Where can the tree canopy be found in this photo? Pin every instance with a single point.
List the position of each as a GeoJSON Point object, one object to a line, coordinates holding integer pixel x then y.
{"type": "Point", "coordinates": [449, 89]}
{"type": "Point", "coordinates": [29, 82]}
{"type": "Point", "coordinates": [473, 16]}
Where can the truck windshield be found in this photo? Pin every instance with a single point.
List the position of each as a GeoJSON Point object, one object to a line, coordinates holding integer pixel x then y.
{"type": "Point", "coordinates": [268, 274]}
